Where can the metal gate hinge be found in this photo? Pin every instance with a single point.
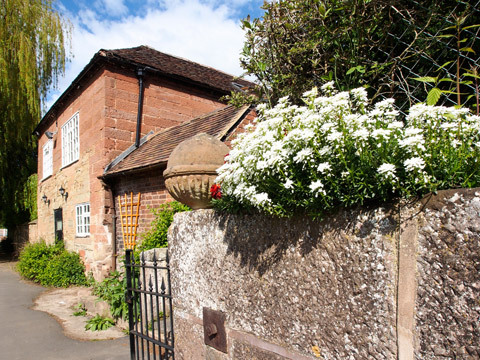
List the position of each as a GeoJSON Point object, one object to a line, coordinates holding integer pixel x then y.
{"type": "Point", "coordinates": [214, 329]}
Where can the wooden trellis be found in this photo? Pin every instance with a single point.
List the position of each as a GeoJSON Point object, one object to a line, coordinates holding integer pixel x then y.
{"type": "Point", "coordinates": [129, 219]}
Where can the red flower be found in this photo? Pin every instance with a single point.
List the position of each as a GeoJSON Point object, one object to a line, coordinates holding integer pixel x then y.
{"type": "Point", "coordinates": [216, 191]}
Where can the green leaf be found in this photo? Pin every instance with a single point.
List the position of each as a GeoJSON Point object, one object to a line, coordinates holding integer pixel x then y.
{"type": "Point", "coordinates": [449, 28]}
{"type": "Point", "coordinates": [322, 10]}
{"type": "Point", "coordinates": [471, 26]}
{"type": "Point", "coordinates": [359, 68]}
{"type": "Point", "coordinates": [446, 80]}
{"type": "Point", "coordinates": [433, 96]}
{"type": "Point", "coordinates": [449, 92]}
{"type": "Point", "coordinates": [246, 24]}
{"type": "Point", "coordinates": [447, 63]}
{"type": "Point", "coordinates": [427, 79]}
{"type": "Point", "coordinates": [468, 49]}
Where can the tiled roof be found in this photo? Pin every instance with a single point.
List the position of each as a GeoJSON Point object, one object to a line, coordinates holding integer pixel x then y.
{"type": "Point", "coordinates": [158, 148]}
{"type": "Point", "coordinates": [156, 62]}
{"type": "Point", "coordinates": [175, 67]}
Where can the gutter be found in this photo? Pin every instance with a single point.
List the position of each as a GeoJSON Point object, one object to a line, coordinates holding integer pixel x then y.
{"type": "Point", "coordinates": [159, 165]}
{"type": "Point", "coordinates": [114, 245]}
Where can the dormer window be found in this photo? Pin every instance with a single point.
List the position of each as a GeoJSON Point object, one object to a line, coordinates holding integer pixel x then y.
{"type": "Point", "coordinates": [70, 141]}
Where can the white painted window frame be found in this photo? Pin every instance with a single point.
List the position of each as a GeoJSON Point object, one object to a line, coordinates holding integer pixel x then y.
{"type": "Point", "coordinates": [70, 141]}
{"type": "Point", "coordinates": [47, 157]}
{"type": "Point", "coordinates": [82, 217]}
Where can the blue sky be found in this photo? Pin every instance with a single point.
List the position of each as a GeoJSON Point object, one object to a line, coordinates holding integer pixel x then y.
{"type": "Point", "coordinates": [205, 31]}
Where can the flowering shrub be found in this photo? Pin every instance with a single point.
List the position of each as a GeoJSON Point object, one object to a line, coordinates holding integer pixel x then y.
{"type": "Point", "coordinates": [338, 151]}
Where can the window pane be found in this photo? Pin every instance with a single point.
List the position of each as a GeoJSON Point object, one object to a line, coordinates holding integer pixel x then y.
{"type": "Point", "coordinates": [83, 219]}
{"type": "Point", "coordinates": [70, 141]}
{"type": "Point", "coordinates": [48, 159]}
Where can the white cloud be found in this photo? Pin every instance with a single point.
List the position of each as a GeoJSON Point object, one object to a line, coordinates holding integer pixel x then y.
{"type": "Point", "coordinates": [205, 32]}
{"type": "Point", "coordinates": [113, 7]}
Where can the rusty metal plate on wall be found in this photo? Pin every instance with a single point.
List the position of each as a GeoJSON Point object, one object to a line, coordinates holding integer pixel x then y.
{"type": "Point", "coordinates": [214, 329]}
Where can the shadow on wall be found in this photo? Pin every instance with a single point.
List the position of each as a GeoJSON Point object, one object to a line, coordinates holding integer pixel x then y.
{"type": "Point", "coordinates": [263, 245]}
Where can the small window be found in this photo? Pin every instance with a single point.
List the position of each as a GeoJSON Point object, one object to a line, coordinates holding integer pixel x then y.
{"type": "Point", "coordinates": [70, 141]}
{"type": "Point", "coordinates": [47, 159]}
{"type": "Point", "coordinates": [83, 219]}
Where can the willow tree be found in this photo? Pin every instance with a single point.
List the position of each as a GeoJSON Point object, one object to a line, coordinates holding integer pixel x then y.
{"type": "Point", "coordinates": [33, 40]}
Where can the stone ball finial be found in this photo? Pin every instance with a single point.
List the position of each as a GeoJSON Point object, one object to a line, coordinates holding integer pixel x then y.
{"type": "Point", "coordinates": [191, 169]}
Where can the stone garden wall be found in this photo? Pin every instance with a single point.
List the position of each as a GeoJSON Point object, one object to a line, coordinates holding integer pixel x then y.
{"type": "Point", "coordinates": [448, 292]}
{"type": "Point", "coordinates": [22, 234]}
{"type": "Point", "coordinates": [364, 284]}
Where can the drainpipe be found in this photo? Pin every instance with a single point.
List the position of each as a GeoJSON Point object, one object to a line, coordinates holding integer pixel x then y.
{"type": "Point", "coordinates": [140, 74]}
{"type": "Point", "coordinates": [114, 255]}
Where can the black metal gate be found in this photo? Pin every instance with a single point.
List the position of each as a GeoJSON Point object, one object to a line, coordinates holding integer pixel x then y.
{"type": "Point", "coordinates": [150, 312]}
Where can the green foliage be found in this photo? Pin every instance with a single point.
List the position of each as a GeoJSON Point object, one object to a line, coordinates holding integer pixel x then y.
{"type": "Point", "coordinates": [156, 237]}
{"type": "Point", "coordinates": [30, 196]}
{"type": "Point", "coordinates": [299, 44]}
{"type": "Point", "coordinates": [51, 265]}
{"type": "Point", "coordinates": [151, 324]}
{"type": "Point", "coordinates": [32, 56]}
{"type": "Point", "coordinates": [99, 322]}
{"type": "Point", "coordinates": [466, 67]}
{"type": "Point", "coordinates": [112, 291]}
{"type": "Point", "coordinates": [34, 258]}
{"type": "Point", "coordinates": [80, 310]}
{"type": "Point", "coordinates": [63, 270]}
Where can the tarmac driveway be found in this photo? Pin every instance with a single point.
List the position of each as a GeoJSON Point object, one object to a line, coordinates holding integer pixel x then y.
{"type": "Point", "coordinates": [26, 334]}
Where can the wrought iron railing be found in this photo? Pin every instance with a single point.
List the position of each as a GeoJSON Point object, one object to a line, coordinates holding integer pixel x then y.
{"type": "Point", "coordinates": [150, 311]}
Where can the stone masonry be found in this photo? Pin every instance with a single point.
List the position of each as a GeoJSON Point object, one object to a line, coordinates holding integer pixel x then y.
{"type": "Point", "coordinates": [385, 283]}
{"type": "Point", "coordinates": [107, 107]}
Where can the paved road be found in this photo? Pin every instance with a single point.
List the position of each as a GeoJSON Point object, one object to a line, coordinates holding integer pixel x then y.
{"type": "Point", "coordinates": [27, 334]}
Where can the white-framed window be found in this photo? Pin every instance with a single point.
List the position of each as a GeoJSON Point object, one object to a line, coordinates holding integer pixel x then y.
{"type": "Point", "coordinates": [70, 141]}
{"type": "Point", "coordinates": [82, 212]}
{"type": "Point", "coordinates": [47, 159]}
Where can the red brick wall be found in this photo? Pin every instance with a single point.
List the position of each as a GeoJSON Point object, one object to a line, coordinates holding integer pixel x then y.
{"type": "Point", "coordinates": [248, 119]}
{"type": "Point", "coordinates": [107, 106]}
{"type": "Point", "coordinates": [151, 186]}
{"type": "Point", "coordinates": [165, 104]}
{"type": "Point", "coordinates": [75, 178]}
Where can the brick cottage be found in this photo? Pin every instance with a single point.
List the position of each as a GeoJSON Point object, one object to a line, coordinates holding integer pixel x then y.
{"type": "Point", "coordinates": [111, 132]}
